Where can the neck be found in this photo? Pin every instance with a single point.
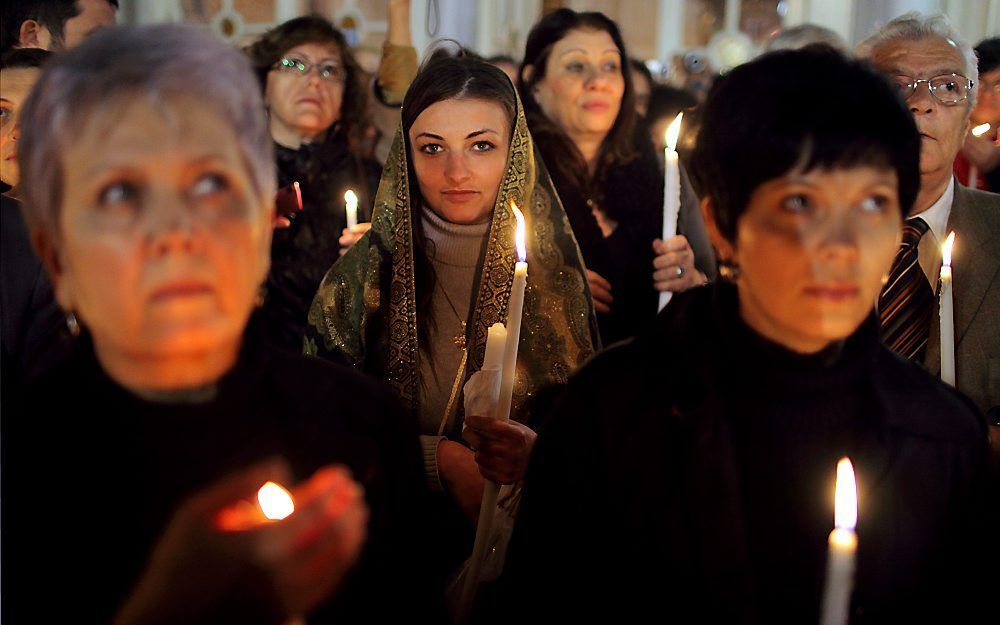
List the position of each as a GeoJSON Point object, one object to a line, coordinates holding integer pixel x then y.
{"type": "Point", "coordinates": [589, 146]}
{"type": "Point", "coordinates": [757, 318]}
{"type": "Point", "coordinates": [146, 375]}
{"type": "Point", "coordinates": [288, 136]}
{"type": "Point", "coordinates": [932, 187]}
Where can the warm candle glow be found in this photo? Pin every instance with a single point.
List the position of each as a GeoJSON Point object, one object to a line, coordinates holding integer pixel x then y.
{"type": "Point", "coordinates": [980, 130]}
{"type": "Point", "coordinates": [946, 249]}
{"type": "Point", "coordinates": [673, 131]}
{"type": "Point", "coordinates": [351, 198]}
{"type": "Point", "coordinates": [275, 502]}
{"type": "Point", "coordinates": [520, 234]}
{"type": "Point", "coordinates": [845, 515]}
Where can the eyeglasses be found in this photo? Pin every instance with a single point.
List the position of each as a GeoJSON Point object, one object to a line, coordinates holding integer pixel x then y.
{"type": "Point", "coordinates": [300, 67]}
{"type": "Point", "coordinates": [947, 88]}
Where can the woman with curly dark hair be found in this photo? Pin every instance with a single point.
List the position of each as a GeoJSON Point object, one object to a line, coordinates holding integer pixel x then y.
{"type": "Point", "coordinates": [316, 101]}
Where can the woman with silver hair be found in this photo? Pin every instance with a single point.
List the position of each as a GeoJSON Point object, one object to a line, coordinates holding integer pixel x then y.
{"type": "Point", "coordinates": [149, 194]}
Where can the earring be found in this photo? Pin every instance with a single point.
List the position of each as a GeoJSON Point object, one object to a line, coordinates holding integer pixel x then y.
{"type": "Point", "coordinates": [72, 324]}
{"type": "Point", "coordinates": [728, 271]}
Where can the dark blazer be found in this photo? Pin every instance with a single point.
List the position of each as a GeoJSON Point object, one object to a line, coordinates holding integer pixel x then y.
{"type": "Point", "coordinates": [975, 218]}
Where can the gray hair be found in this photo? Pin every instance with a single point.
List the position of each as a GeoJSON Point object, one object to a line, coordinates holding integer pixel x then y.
{"type": "Point", "coordinates": [914, 26]}
{"type": "Point", "coordinates": [151, 61]}
{"type": "Point", "coordinates": [804, 35]}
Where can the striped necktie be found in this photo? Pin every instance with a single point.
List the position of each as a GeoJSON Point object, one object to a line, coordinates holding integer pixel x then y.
{"type": "Point", "coordinates": [906, 303]}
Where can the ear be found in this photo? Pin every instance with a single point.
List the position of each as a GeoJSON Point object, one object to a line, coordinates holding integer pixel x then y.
{"type": "Point", "coordinates": [48, 252]}
{"type": "Point", "coordinates": [724, 248]}
{"type": "Point", "coordinates": [33, 35]}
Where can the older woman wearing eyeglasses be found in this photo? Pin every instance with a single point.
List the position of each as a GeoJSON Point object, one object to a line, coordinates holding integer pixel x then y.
{"type": "Point", "coordinates": [316, 103]}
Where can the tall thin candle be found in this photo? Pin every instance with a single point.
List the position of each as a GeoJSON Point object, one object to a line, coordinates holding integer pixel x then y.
{"type": "Point", "coordinates": [671, 190]}
{"type": "Point", "coordinates": [351, 201]}
{"type": "Point", "coordinates": [842, 549]}
{"type": "Point", "coordinates": [947, 308]}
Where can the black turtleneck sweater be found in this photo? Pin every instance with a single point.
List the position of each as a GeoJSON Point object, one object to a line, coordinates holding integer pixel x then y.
{"type": "Point", "coordinates": [689, 473]}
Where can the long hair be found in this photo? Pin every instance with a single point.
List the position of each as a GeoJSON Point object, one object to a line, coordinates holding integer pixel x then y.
{"type": "Point", "coordinates": [273, 44]}
{"type": "Point", "coordinates": [617, 146]}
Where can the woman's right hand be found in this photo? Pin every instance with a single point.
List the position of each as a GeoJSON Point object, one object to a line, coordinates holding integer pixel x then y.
{"type": "Point", "coordinates": [217, 543]}
{"type": "Point", "coordinates": [600, 290]}
{"type": "Point", "coordinates": [461, 477]}
{"type": "Point", "coordinates": [350, 236]}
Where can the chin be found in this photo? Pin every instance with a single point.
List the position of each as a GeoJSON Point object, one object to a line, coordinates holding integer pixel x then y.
{"type": "Point", "coordinates": [191, 336]}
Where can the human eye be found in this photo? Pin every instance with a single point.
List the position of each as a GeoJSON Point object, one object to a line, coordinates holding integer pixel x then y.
{"type": "Point", "coordinates": [118, 194]}
{"type": "Point", "coordinates": [329, 70]}
{"type": "Point", "coordinates": [5, 115]}
{"type": "Point", "coordinates": [575, 67]}
{"type": "Point", "coordinates": [483, 146]}
{"type": "Point", "coordinates": [875, 203]}
{"type": "Point", "coordinates": [796, 203]}
{"type": "Point", "coordinates": [431, 148]}
{"type": "Point", "coordinates": [208, 185]}
{"type": "Point", "coordinates": [610, 67]}
{"type": "Point", "coordinates": [294, 63]}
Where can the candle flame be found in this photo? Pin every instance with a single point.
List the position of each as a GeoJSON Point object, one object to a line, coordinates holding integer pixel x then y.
{"type": "Point", "coordinates": [949, 243]}
{"type": "Point", "coordinates": [520, 234]}
{"type": "Point", "coordinates": [980, 130]}
{"type": "Point", "coordinates": [350, 197]}
{"type": "Point", "coordinates": [673, 131]}
{"type": "Point", "coordinates": [275, 502]}
{"type": "Point", "coordinates": [845, 515]}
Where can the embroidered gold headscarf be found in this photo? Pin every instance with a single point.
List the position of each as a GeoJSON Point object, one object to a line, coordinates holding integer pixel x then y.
{"type": "Point", "coordinates": [366, 310]}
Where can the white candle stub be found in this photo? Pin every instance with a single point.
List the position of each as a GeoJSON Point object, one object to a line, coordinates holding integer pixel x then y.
{"type": "Point", "coordinates": [980, 130]}
{"type": "Point", "coordinates": [842, 549]}
{"type": "Point", "coordinates": [671, 190]}
{"type": "Point", "coordinates": [351, 200]}
{"type": "Point", "coordinates": [947, 312]}
{"type": "Point", "coordinates": [275, 502]}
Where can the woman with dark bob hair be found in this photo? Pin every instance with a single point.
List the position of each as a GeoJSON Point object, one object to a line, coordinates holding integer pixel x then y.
{"type": "Point", "coordinates": [149, 193]}
{"type": "Point", "coordinates": [412, 302]}
{"type": "Point", "coordinates": [690, 472]}
{"type": "Point", "coordinates": [317, 105]}
{"type": "Point", "coordinates": [577, 93]}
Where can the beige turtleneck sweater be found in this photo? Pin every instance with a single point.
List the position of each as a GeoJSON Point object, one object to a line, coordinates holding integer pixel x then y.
{"type": "Point", "coordinates": [454, 251]}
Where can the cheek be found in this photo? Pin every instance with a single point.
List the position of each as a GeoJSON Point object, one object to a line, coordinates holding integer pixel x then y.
{"type": "Point", "coordinates": [430, 174]}
{"type": "Point", "coordinates": [88, 260]}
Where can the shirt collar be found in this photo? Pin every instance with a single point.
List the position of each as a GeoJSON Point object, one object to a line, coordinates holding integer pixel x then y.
{"type": "Point", "coordinates": [937, 215]}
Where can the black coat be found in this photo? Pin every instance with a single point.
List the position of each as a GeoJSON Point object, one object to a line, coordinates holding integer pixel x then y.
{"type": "Point", "coordinates": [689, 474]}
{"type": "Point", "coordinates": [302, 253]}
{"type": "Point", "coordinates": [92, 474]}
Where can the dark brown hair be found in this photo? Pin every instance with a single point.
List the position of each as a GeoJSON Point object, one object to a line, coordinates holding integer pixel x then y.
{"type": "Point", "coordinates": [617, 145]}
{"type": "Point", "coordinates": [273, 44]}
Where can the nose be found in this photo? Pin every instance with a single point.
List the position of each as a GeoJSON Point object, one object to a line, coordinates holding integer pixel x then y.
{"type": "Point", "coordinates": [841, 236]}
{"type": "Point", "coordinates": [596, 80]}
{"type": "Point", "coordinates": [170, 223]}
{"type": "Point", "coordinates": [457, 169]}
{"type": "Point", "coordinates": [922, 101]}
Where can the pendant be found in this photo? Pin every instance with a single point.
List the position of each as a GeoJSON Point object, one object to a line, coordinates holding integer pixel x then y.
{"type": "Point", "coordinates": [459, 339]}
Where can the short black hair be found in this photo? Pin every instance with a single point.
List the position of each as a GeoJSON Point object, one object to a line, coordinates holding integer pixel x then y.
{"type": "Point", "coordinates": [988, 53]}
{"type": "Point", "coordinates": [810, 108]}
{"type": "Point", "coordinates": [23, 58]}
{"type": "Point", "coordinates": [52, 14]}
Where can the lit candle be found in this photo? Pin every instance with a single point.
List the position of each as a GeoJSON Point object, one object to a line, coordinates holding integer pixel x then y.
{"type": "Point", "coordinates": [275, 502]}
{"type": "Point", "coordinates": [671, 190]}
{"type": "Point", "coordinates": [515, 307]}
{"type": "Point", "coordinates": [352, 209]}
{"type": "Point", "coordinates": [980, 130]}
{"type": "Point", "coordinates": [843, 547]}
{"type": "Point", "coordinates": [947, 313]}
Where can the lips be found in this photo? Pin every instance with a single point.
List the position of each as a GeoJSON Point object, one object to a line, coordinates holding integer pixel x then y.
{"type": "Point", "coordinates": [834, 292]}
{"type": "Point", "coordinates": [308, 100]}
{"type": "Point", "coordinates": [181, 289]}
{"type": "Point", "coordinates": [596, 106]}
{"type": "Point", "coordinates": [459, 195]}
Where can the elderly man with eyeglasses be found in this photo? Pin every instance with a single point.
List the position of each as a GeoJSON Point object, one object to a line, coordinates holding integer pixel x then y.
{"type": "Point", "coordinates": [937, 76]}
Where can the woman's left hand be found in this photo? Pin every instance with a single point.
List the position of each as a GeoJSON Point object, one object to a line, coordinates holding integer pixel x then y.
{"type": "Point", "coordinates": [673, 267]}
{"type": "Point", "coordinates": [502, 447]}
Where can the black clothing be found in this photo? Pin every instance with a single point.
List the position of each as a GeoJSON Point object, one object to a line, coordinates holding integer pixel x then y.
{"type": "Point", "coordinates": [689, 473]}
{"type": "Point", "coordinates": [34, 335]}
{"type": "Point", "coordinates": [302, 253]}
{"type": "Point", "coordinates": [92, 474]}
{"type": "Point", "coordinates": [631, 194]}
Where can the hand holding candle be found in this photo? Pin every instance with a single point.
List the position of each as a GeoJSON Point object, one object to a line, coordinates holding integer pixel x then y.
{"type": "Point", "coordinates": [947, 311]}
{"type": "Point", "coordinates": [843, 546]}
{"type": "Point", "coordinates": [671, 190]}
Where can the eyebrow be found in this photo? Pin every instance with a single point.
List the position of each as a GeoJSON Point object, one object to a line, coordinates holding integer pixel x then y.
{"type": "Point", "coordinates": [936, 72]}
{"type": "Point", "coordinates": [472, 134]}
{"type": "Point", "coordinates": [615, 50]}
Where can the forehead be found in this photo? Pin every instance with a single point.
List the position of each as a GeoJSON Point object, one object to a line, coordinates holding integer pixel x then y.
{"type": "Point", "coordinates": [95, 12]}
{"type": "Point", "coordinates": [456, 118]}
{"type": "Point", "coordinates": [920, 58]}
{"type": "Point", "coordinates": [16, 82]}
{"type": "Point", "coordinates": [316, 51]}
{"type": "Point", "coordinates": [589, 41]}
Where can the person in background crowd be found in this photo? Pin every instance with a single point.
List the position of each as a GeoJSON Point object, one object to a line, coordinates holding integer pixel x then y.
{"type": "Point", "coordinates": [317, 115]}
{"type": "Point", "coordinates": [935, 70]}
{"type": "Point", "coordinates": [689, 473]}
{"type": "Point", "coordinates": [18, 72]}
{"type": "Point", "coordinates": [396, 70]}
{"type": "Point", "coordinates": [803, 35]}
{"type": "Point", "coordinates": [411, 303]}
{"type": "Point", "coordinates": [664, 104]}
{"type": "Point", "coordinates": [53, 24]}
{"type": "Point", "coordinates": [983, 152]}
{"type": "Point", "coordinates": [642, 86]}
{"type": "Point", "coordinates": [149, 191]}
{"type": "Point", "coordinates": [507, 64]}
{"type": "Point", "coordinates": [578, 99]}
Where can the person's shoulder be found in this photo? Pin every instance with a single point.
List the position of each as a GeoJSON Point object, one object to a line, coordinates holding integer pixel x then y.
{"type": "Point", "coordinates": [981, 206]}
{"type": "Point", "coordinates": [921, 404]}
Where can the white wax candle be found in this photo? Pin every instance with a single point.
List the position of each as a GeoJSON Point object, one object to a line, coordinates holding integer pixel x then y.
{"type": "Point", "coordinates": [515, 307]}
{"type": "Point", "coordinates": [947, 308]}
{"type": "Point", "coordinates": [351, 200]}
{"type": "Point", "coordinates": [842, 549]}
{"type": "Point", "coordinates": [973, 176]}
{"type": "Point", "coordinates": [671, 190]}
{"type": "Point", "coordinates": [496, 341]}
